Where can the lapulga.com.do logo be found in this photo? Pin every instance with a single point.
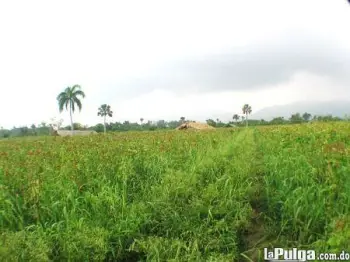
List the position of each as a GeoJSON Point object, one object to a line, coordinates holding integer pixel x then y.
{"type": "Point", "coordinates": [279, 254]}
{"type": "Point", "coordinates": [294, 254]}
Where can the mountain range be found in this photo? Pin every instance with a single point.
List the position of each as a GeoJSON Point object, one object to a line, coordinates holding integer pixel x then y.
{"type": "Point", "coordinates": [334, 108]}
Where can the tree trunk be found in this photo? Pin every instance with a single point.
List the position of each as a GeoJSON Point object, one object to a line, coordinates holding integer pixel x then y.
{"type": "Point", "coordinates": [104, 124]}
{"type": "Point", "coordinates": [246, 119]}
{"type": "Point", "coordinates": [71, 118]}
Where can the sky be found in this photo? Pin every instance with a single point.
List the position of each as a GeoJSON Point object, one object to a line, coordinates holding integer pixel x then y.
{"type": "Point", "coordinates": [168, 59]}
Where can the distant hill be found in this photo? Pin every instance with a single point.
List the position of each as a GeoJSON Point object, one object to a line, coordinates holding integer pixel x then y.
{"type": "Point", "coordinates": [335, 108]}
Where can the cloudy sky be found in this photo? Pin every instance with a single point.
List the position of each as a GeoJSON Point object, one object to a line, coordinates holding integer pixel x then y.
{"type": "Point", "coordinates": [167, 59]}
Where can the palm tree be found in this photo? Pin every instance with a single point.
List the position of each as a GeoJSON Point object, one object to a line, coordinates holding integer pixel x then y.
{"type": "Point", "coordinates": [182, 119]}
{"type": "Point", "coordinates": [141, 120]}
{"type": "Point", "coordinates": [104, 111]}
{"type": "Point", "coordinates": [247, 109]}
{"type": "Point", "coordinates": [69, 97]}
{"type": "Point", "coordinates": [235, 117]}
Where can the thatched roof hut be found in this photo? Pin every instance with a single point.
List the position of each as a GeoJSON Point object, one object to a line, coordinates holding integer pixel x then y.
{"type": "Point", "coordinates": [75, 133]}
{"type": "Point", "coordinates": [194, 125]}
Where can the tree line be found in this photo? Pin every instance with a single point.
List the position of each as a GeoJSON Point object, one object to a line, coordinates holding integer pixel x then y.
{"type": "Point", "coordinates": [70, 100]}
{"type": "Point", "coordinates": [44, 128]}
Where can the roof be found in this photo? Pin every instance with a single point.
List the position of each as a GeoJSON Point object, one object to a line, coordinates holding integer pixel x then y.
{"type": "Point", "coordinates": [194, 125]}
{"type": "Point", "coordinates": [75, 133]}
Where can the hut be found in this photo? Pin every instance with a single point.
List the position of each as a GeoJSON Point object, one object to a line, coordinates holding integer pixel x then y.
{"type": "Point", "coordinates": [194, 126]}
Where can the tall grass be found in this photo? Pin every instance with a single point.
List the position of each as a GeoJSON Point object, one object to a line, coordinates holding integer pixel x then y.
{"type": "Point", "coordinates": [217, 195]}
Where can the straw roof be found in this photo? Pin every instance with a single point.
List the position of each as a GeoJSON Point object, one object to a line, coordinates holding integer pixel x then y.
{"type": "Point", "coordinates": [194, 125]}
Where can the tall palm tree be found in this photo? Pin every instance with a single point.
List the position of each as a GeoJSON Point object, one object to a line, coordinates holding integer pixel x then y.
{"type": "Point", "coordinates": [104, 111]}
{"type": "Point", "coordinates": [141, 120]}
{"type": "Point", "coordinates": [69, 98]}
{"type": "Point", "coordinates": [182, 119]}
{"type": "Point", "coordinates": [247, 109]}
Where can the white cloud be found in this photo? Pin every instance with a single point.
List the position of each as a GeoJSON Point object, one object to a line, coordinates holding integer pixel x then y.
{"type": "Point", "coordinates": [166, 105]}
{"type": "Point", "coordinates": [46, 46]}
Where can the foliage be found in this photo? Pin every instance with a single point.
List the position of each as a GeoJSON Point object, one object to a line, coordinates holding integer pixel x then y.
{"type": "Point", "coordinates": [235, 117]}
{"type": "Point", "coordinates": [171, 195]}
{"type": "Point", "coordinates": [247, 110]}
{"type": "Point", "coordinates": [69, 98]}
{"type": "Point", "coordinates": [296, 118]}
{"type": "Point", "coordinates": [306, 116]}
{"type": "Point", "coordinates": [162, 124]}
{"type": "Point", "coordinates": [104, 111]}
{"type": "Point", "coordinates": [211, 122]}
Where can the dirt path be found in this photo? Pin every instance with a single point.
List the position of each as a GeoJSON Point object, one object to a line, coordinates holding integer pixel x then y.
{"type": "Point", "coordinates": [254, 238]}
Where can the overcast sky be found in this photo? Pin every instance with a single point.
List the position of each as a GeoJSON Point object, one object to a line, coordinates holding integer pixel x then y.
{"type": "Point", "coordinates": [167, 59]}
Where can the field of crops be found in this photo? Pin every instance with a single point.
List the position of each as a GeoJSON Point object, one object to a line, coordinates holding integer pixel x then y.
{"type": "Point", "coordinates": [220, 195]}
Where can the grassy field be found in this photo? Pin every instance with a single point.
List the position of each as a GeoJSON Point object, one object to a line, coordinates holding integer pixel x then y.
{"type": "Point", "coordinates": [219, 195]}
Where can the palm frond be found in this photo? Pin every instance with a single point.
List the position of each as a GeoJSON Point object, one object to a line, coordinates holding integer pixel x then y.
{"type": "Point", "coordinates": [75, 87]}
{"type": "Point", "coordinates": [72, 104]}
{"type": "Point", "coordinates": [101, 112]}
{"type": "Point", "coordinates": [66, 103]}
{"type": "Point", "coordinates": [61, 95]}
{"type": "Point", "coordinates": [61, 104]}
{"type": "Point", "coordinates": [78, 102]}
{"type": "Point", "coordinates": [62, 99]}
{"type": "Point", "coordinates": [105, 110]}
{"type": "Point", "coordinates": [78, 93]}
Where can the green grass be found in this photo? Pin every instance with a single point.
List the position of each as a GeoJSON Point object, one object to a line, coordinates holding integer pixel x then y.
{"type": "Point", "coordinates": [219, 195]}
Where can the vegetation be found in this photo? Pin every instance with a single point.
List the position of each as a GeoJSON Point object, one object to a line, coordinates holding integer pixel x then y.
{"type": "Point", "coordinates": [69, 98]}
{"type": "Point", "coordinates": [235, 117]}
{"type": "Point", "coordinates": [44, 129]}
{"type": "Point", "coordinates": [104, 111]}
{"type": "Point", "coordinates": [247, 110]}
{"type": "Point", "coordinates": [217, 195]}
